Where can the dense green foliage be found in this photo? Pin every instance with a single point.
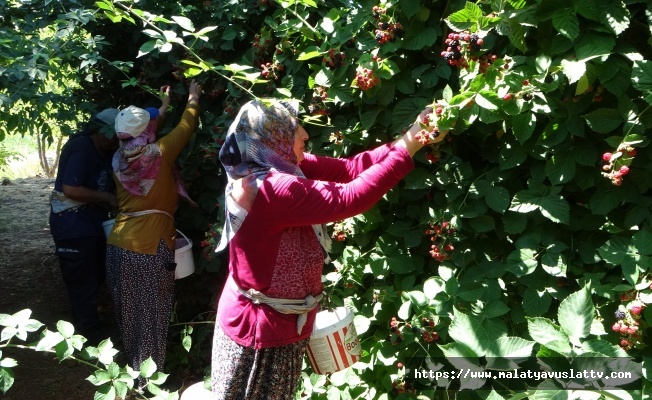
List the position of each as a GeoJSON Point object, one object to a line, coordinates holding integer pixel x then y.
{"type": "Point", "coordinates": [527, 234]}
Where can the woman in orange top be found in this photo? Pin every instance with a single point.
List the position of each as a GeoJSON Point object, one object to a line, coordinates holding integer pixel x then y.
{"type": "Point", "coordinates": [140, 253]}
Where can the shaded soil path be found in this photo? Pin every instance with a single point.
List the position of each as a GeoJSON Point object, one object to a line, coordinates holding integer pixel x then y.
{"type": "Point", "coordinates": [30, 278]}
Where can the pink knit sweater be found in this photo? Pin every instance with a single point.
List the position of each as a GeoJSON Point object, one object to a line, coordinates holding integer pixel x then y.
{"type": "Point", "coordinates": [276, 251]}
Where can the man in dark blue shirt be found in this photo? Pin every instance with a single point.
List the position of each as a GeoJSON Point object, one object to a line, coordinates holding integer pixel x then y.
{"type": "Point", "coordinates": [83, 196]}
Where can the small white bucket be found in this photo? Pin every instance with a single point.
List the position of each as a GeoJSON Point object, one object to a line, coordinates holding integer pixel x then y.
{"type": "Point", "coordinates": [334, 343]}
{"type": "Point", "coordinates": [197, 392]}
{"type": "Point", "coordinates": [183, 257]}
{"type": "Point", "coordinates": [107, 226]}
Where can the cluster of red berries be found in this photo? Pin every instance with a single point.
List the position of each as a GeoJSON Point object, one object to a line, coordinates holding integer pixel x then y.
{"type": "Point", "coordinates": [341, 229]}
{"type": "Point", "coordinates": [440, 237]}
{"type": "Point", "coordinates": [271, 71]}
{"type": "Point", "coordinates": [628, 325]}
{"type": "Point", "coordinates": [432, 154]}
{"type": "Point", "coordinates": [317, 104]}
{"type": "Point", "coordinates": [484, 61]}
{"type": "Point", "coordinates": [210, 241]}
{"type": "Point", "coordinates": [429, 130]}
{"type": "Point", "coordinates": [261, 49]}
{"type": "Point", "coordinates": [616, 165]}
{"type": "Point", "coordinates": [377, 11]}
{"type": "Point", "coordinates": [365, 79]}
{"type": "Point", "coordinates": [388, 32]}
{"type": "Point", "coordinates": [459, 46]}
{"type": "Point", "coordinates": [426, 332]}
{"type": "Point", "coordinates": [400, 386]}
{"type": "Point", "coordinates": [395, 336]}
{"type": "Point", "coordinates": [334, 59]}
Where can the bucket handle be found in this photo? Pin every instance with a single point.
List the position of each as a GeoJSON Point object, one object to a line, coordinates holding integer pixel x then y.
{"type": "Point", "coordinates": [184, 236]}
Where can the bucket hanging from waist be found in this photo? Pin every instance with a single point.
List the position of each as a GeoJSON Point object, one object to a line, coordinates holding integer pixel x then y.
{"type": "Point", "coordinates": [300, 307]}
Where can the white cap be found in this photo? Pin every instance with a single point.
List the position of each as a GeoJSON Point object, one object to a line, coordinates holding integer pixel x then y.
{"type": "Point", "coordinates": [132, 121]}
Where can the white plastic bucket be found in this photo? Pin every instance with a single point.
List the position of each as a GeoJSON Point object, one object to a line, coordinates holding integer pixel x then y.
{"type": "Point", "coordinates": [197, 391]}
{"type": "Point", "coordinates": [107, 226]}
{"type": "Point", "coordinates": [334, 343]}
{"type": "Point", "coordinates": [183, 257]}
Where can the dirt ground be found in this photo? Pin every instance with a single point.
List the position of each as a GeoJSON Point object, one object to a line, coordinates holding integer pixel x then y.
{"type": "Point", "coordinates": [30, 278]}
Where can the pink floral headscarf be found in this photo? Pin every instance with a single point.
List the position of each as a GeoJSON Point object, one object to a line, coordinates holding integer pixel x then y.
{"type": "Point", "coordinates": [138, 161]}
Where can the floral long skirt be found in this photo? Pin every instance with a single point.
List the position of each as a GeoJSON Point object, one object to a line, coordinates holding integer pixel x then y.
{"type": "Point", "coordinates": [143, 294]}
{"type": "Point", "coordinates": [245, 373]}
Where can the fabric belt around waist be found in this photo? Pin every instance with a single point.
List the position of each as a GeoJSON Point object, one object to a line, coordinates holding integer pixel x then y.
{"type": "Point", "coordinates": [146, 212]}
{"type": "Point", "coordinates": [301, 307]}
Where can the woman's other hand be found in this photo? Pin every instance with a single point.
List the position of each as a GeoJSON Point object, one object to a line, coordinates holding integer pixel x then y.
{"type": "Point", "coordinates": [410, 139]}
{"type": "Point", "coordinates": [164, 95]}
{"type": "Point", "coordinates": [194, 91]}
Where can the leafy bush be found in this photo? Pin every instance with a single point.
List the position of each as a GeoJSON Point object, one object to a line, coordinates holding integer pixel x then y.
{"type": "Point", "coordinates": [526, 235]}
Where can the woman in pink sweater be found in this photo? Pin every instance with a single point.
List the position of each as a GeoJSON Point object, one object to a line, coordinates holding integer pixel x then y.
{"type": "Point", "coordinates": [278, 199]}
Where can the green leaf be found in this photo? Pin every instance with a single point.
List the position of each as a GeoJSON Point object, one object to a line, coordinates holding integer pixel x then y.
{"type": "Point", "coordinates": [400, 264]}
{"type": "Point", "coordinates": [489, 100]}
{"type": "Point", "coordinates": [483, 223]}
{"type": "Point", "coordinates": [419, 178]}
{"type": "Point", "coordinates": [547, 333]}
{"type": "Point", "coordinates": [553, 207]}
{"type": "Point", "coordinates": [642, 241]}
{"type": "Point", "coordinates": [65, 328]}
{"type": "Point", "coordinates": [510, 347]}
{"type": "Point", "coordinates": [467, 330]}
{"type": "Point", "coordinates": [459, 350]}
{"type": "Point", "coordinates": [465, 18]}
{"type": "Point", "coordinates": [560, 168]}
{"type": "Point", "coordinates": [614, 14]}
{"type": "Point", "coordinates": [592, 45]}
{"type": "Point", "coordinates": [573, 70]}
{"type": "Point", "coordinates": [512, 155]}
{"type": "Point", "coordinates": [536, 303]}
{"type": "Point", "coordinates": [565, 22]}
{"type": "Point", "coordinates": [309, 53]}
{"type": "Point", "coordinates": [554, 264]}
{"type": "Point", "coordinates": [433, 286]}
{"type": "Point", "coordinates": [576, 314]}
{"type": "Point", "coordinates": [523, 126]}
{"type": "Point", "coordinates": [603, 120]}
{"type": "Point", "coordinates": [522, 262]}
{"type": "Point", "coordinates": [420, 39]}
{"type": "Point", "coordinates": [410, 7]}
{"type": "Point", "coordinates": [404, 310]}
{"type": "Point", "coordinates": [642, 79]}
{"type": "Point", "coordinates": [497, 198]}
{"type": "Point", "coordinates": [147, 368]}
{"type": "Point", "coordinates": [184, 23]}
{"type": "Point", "coordinates": [324, 78]}
{"type": "Point", "coordinates": [6, 379]}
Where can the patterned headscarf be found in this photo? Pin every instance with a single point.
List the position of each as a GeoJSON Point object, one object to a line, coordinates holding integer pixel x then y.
{"type": "Point", "coordinates": [260, 140]}
{"type": "Point", "coordinates": [138, 160]}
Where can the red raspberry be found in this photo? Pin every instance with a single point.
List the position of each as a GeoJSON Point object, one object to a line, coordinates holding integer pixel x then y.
{"type": "Point", "coordinates": [507, 97]}
{"type": "Point", "coordinates": [624, 170]}
{"type": "Point", "coordinates": [616, 328]}
{"type": "Point", "coordinates": [636, 310]}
